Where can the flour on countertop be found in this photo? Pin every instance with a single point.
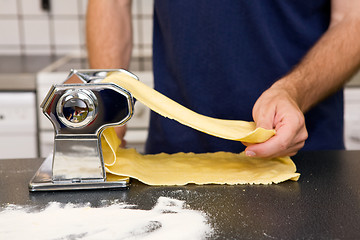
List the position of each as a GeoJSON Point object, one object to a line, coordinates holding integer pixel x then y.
{"type": "Point", "coordinates": [169, 219]}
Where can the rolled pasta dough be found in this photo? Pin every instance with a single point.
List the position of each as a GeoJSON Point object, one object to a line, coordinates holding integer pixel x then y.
{"type": "Point", "coordinates": [229, 129]}
{"type": "Point", "coordinates": [184, 168]}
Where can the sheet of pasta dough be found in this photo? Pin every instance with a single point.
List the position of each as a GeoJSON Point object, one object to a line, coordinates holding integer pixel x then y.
{"type": "Point", "coordinates": [229, 129]}
{"type": "Point", "coordinates": [184, 168]}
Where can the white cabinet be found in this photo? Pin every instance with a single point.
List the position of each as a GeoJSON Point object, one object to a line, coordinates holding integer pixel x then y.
{"type": "Point", "coordinates": [352, 118]}
{"type": "Point", "coordinates": [18, 133]}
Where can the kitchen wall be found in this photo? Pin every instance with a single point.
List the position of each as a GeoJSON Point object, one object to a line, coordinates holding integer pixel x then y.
{"type": "Point", "coordinates": [29, 27]}
{"type": "Point", "coordinates": [36, 35]}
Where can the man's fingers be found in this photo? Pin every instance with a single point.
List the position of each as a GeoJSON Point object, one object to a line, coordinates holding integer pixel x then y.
{"type": "Point", "coordinates": [247, 144]}
{"type": "Point", "coordinates": [267, 150]}
{"type": "Point", "coordinates": [284, 143]}
{"type": "Point", "coordinates": [264, 119]}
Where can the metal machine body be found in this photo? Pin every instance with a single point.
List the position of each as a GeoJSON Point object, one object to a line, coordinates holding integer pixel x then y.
{"type": "Point", "coordinates": [80, 109]}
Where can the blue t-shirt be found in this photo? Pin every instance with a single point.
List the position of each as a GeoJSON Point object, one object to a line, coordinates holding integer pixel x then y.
{"type": "Point", "coordinates": [217, 57]}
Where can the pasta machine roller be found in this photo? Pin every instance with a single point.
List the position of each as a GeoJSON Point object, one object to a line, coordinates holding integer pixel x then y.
{"type": "Point", "coordinates": [80, 109]}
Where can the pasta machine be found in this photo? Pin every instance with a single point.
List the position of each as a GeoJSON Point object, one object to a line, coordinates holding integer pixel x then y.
{"type": "Point", "coordinates": [79, 110]}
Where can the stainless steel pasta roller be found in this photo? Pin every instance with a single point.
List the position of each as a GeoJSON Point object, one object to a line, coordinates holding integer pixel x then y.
{"type": "Point", "coordinates": [80, 109]}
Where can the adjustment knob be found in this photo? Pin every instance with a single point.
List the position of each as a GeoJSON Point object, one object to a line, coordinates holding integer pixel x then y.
{"type": "Point", "coordinates": [76, 108]}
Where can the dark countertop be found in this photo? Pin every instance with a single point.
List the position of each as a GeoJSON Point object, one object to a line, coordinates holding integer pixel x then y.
{"type": "Point", "coordinates": [25, 64]}
{"type": "Point", "coordinates": [18, 73]}
{"type": "Point", "coordinates": [323, 204]}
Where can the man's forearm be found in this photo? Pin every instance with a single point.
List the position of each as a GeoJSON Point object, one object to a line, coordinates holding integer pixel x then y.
{"type": "Point", "coordinates": [109, 33]}
{"type": "Point", "coordinates": [327, 66]}
{"type": "Point", "coordinates": [109, 38]}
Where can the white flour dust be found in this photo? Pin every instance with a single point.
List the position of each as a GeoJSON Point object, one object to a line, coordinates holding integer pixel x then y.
{"type": "Point", "coordinates": [169, 219]}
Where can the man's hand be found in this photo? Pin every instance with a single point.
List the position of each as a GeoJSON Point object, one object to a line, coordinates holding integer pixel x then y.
{"type": "Point", "coordinates": [333, 59]}
{"type": "Point", "coordinates": [276, 109]}
{"type": "Point", "coordinates": [120, 132]}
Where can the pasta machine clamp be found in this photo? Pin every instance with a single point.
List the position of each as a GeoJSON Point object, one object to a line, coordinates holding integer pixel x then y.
{"type": "Point", "coordinates": [80, 109]}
